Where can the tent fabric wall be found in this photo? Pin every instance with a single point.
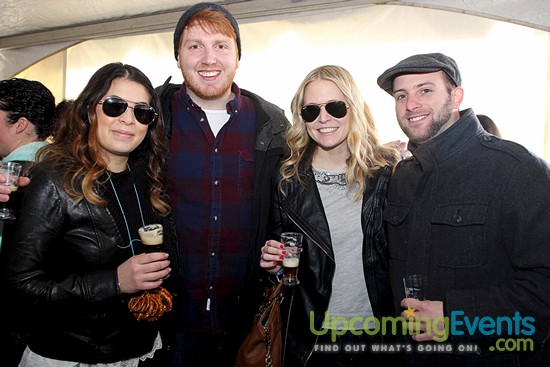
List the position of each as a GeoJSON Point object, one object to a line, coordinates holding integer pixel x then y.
{"type": "Point", "coordinates": [27, 24]}
{"type": "Point", "coordinates": [51, 72]}
{"type": "Point", "coordinates": [504, 66]}
{"type": "Point", "coordinates": [13, 61]}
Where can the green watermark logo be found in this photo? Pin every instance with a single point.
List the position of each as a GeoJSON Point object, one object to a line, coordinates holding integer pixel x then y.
{"type": "Point", "coordinates": [515, 328]}
{"type": "Point", "coordinates": [389, 325]}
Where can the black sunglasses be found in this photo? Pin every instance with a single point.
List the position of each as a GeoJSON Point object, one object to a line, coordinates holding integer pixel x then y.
{"type": "Point", "coordinates": [116, 106]}
{"type": "Point", "coordinates": [336, 109]}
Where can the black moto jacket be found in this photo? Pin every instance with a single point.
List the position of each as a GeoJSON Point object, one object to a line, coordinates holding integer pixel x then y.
{"type": "Point", "coordinates": [61, 265]}
{"type": "Point", "coordinates": [301, 210]}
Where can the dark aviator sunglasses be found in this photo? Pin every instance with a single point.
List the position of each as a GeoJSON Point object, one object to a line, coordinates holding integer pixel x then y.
{"type": "Point", "coordinates": [116, 106]}
{"type": "Point", "coordinates": [336, 109]}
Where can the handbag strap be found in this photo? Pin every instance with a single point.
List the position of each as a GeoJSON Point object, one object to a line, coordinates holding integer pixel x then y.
{"type": "Point", "coordinates": [275, 295]}
{"type": "Point", "coordinates": [272, 294]}
{"type": "Point", "coordinates": [267, 342]}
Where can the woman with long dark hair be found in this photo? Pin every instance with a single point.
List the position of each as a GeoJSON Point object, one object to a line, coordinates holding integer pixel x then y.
{"type": "Point", "coordinates": [75, 259]}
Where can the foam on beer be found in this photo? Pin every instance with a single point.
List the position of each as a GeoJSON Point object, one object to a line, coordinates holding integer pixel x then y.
{"type": "Point", "coordinates": [151, 234]}
{"type": "Point", "coordinates": [292, 262]}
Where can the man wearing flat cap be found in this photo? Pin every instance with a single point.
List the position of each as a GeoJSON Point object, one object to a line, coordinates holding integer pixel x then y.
{"type": "Point", "coordinates": [224, 143]}
{"type": "Point", "coordinates": [470, 212]}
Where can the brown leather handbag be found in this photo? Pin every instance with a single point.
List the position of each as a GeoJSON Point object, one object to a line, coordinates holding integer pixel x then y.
{"type": "Point", "coordinates": [263, 345]}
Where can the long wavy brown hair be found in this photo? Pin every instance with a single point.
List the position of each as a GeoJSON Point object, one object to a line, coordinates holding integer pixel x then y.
{"type": "Point", "coordinates": [76, 152]}
{"type": "Point", "coordinates": [366, 153]}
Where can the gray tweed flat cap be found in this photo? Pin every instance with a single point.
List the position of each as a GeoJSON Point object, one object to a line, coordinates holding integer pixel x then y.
{"type": "Point", "coordinates": [420, 64]}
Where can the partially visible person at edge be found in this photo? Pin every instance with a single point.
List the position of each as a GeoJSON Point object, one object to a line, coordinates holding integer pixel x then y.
{"type": "Point", "coordinates": [332, 189]}
{"type": "Point", "coordinates": [224, 143]}
{"type": "Point", "coordinates": [26, 119]}
{"type": "Point", "coordinates": [76, 258]}
{"type": "Point", "coordinates": [26, 111]}
{"type": "Point", "coordinates": [469, 211]}
{"type": "Point", "coordinates": [489, 125]}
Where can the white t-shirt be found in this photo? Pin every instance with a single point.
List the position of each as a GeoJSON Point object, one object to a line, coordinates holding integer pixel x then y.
{"type": "Point", "coordinates": [216, 119]}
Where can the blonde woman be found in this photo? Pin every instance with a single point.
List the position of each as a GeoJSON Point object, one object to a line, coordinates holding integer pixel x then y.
{"type": "Point", "coordinates": [332, 190]}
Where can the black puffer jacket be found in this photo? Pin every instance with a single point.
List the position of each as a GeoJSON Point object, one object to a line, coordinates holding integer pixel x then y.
{"type": "Point", "coordinates": [302, 211]}
{"type": "Point", "coordinates": [62, 263]}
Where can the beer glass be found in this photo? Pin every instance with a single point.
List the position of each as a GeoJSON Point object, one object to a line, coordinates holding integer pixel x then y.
{"type": "Point", "coordinates": [293, 248]}
{"type": "Point", "coordinates": [415, 286]}
{"type": "Point", "coordinates": [151, 237]}
{"type": "Point", "coordinates": [9, 176]}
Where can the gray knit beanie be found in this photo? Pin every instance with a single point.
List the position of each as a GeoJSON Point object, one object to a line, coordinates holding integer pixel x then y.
{"type": "Point", "coordinates": [187, 15]}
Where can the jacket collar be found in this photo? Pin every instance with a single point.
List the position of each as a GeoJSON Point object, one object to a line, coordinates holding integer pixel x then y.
{"type": "Point", "coordinates": [270, 119]}
{"type": "Point", "coordinates": [232, 106]}
{"type": "Point", "coordinates": [306, 210]}
{"type": "Point", "coordinates": [447, 145]}
{"type": "Point", "coordinates": [305, 207]}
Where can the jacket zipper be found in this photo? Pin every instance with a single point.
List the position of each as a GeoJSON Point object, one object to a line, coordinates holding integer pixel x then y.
{"type": "Point", "coordinates": [330, 257]}
{"type": "Point", "coordinates": [305, 232]}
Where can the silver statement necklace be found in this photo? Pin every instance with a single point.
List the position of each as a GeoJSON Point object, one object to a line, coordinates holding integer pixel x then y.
{"type": "Point", "coordinates": [325, 177]}
{"type": "Point", "coordinates": [332, 181]}
{"type": "Point", "coordinates": [131, 245]}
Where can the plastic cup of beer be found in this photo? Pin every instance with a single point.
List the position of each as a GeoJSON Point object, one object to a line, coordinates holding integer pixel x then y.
{"type": "Point", "coordinates": [9, 176]}
{"type": "Point", "coordinates": [415, 286]}
{"type": "Point", "coordinates": [291, 261]}
{"type": "Point", "coordinates": [151, 237]}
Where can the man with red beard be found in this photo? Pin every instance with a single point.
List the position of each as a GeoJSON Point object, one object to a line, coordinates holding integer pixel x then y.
{"type": "Point", "coordinates": [224, 143]}
{"type": "Point", "coordinates": [470, 211]}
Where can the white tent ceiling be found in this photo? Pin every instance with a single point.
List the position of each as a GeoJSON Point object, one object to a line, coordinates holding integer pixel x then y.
{"type": "Point", "coordinates": [31, 30]}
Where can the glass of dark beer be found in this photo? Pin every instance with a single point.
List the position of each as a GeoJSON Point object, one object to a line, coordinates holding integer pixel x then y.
{"type": "Point", "coordinates": [151, 237]}
{"type": "Point", "coordinates": [293, 248]}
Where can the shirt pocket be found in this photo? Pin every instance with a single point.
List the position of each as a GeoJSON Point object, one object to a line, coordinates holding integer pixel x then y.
{"type": "Point", "coordinates": [246, 174]}
{"type": "Point", "coordinates": [458, 230]}
{"type": "Point", "coordinates": [395, 216]}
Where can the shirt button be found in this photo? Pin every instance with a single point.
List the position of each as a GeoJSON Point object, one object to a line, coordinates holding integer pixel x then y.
{"type": "Point", "coordinates": [211, 287]}
{"type": "Point", "coordinates": [457, 218]}
{"type": "Point", "coordinates": [215, 150]}
{"type": "Point", "coordinates": [213, 254]}
{"type": "Point", "coordinates": [202, 119]}
{"type": "Point", "coordinates": [216, 183]}
{"type": "Point", "coordinates": [215, 218]}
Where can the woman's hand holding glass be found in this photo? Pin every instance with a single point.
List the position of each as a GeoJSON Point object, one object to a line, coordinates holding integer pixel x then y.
{"type": "Point", "coordinates": [143, 272]}
{"type": "Point", "coordinates": [273, 253]}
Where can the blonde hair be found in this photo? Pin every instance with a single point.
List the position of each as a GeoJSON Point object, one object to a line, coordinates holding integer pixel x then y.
{"type": "Point", "coordinates": [366, 153]}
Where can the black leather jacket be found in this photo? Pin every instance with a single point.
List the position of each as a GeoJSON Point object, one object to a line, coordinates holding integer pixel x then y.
{"type": "Point", "coordinates": [302, 211]}
{"type": "Point", "coordinates": [62, 261]}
